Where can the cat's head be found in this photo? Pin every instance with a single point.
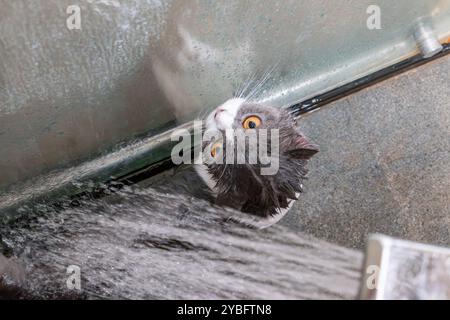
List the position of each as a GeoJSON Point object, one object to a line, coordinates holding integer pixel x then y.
{"type": "Point", "coordinates": [242, 179]}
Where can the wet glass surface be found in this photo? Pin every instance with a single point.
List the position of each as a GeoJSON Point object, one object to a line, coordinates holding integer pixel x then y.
{"type": "Point", "coordinates": [137, 67]}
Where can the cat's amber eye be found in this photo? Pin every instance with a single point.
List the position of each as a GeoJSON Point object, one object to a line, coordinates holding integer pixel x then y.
{"type": "Point", "coordinates": [251, 122]}
{"type": "Point", "coordinates": [216, 149]}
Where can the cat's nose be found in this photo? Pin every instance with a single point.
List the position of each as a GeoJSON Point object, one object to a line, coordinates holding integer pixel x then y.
{"type": "Point", "coordinates": [218, 111]}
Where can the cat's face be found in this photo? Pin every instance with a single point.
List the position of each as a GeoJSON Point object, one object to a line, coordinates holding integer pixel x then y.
{"type": "Point", "coordinates": [243, 185]}
{"type": "Point", "coordinates": [237, 114]}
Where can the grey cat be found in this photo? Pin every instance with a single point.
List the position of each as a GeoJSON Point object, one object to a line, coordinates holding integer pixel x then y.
{"type": "Point", "coordinates": [242, 186]}
{"type": "Point", "coordinates": [165, 239]}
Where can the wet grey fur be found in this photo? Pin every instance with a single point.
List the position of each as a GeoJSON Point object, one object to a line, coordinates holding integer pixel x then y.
{"type": "Point", "coordinates": [167, 241]}
{"type": "Point", "coordinates": [241, 186]}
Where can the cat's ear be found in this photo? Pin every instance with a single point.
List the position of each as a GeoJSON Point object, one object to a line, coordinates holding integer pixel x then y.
{"type": "Point", "coordinates": [301, 148]}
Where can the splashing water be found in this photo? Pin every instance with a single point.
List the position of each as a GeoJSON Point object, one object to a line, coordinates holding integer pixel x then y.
{"type": "Point", "coordinates": [168, 241]}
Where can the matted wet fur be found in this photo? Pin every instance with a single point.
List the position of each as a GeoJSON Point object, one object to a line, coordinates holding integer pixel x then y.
{"type": "Point", "coordinates": [242, 186]}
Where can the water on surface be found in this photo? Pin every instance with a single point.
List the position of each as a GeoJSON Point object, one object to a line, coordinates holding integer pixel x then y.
{"type": "Point", "coordinates": [167, 241]}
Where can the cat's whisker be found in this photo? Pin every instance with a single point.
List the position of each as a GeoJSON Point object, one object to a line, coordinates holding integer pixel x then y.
{"type": "Point", "coordinates": [243, 88]}
{"type": "Point", "coordinates": [253, 81]}
{"type": "Point", "coordinates": [254, 91]}
{"type": "Point", "coordinates": [268, 74]}
{"type": "Point", "coordinates": [240, 87]}
{"type": "Point", "coordinates": [246, 84]}
{"type": "Point", "coordinates": [262, 82]}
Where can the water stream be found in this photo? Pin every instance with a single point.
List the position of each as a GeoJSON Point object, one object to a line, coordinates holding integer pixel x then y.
{"type": "Point", "coordinates": [164, 239]}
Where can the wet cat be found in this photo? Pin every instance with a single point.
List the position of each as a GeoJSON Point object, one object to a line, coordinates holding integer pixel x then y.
{"type": "Point", "coordinates": [243, 185]}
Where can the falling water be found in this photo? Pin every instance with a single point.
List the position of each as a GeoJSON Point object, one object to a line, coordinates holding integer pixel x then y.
{"type": "Point", "coordinates": [164, 239]}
